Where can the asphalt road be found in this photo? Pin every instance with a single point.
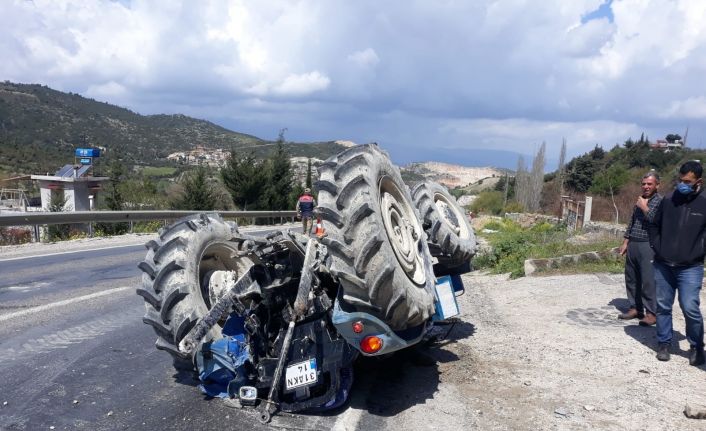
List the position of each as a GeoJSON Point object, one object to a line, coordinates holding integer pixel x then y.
{"type": "Point", "coordinates": [74, 354]}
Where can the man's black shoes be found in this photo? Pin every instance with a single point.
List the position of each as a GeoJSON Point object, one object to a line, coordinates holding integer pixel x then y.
{"type": "Point", "coordinates": [663, 352]}
{"type": "Point", "coordinates": [696, 356]}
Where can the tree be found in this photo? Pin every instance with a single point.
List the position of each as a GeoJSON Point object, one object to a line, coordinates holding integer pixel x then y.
{"type": "Point", "coordinates": [58, 203]}
{"type": "Point", "coordinates": [197, 195]}
{"type": "Point", "coordinates": [308, 174]}
{"type": "Point", "coordinates": [521, 182]}
{"type": "Point", "coordinates": [672, 138]}
{"type": "Point", "coordinates": [561, 170]}
{"type": "Point", "coordinates": [244, 178]}
{"type": "Point", "coordinates": [114, 200]}
{"type": "Point", "coordinates": [580, 172]}
{"type": "Point", "coordinates": [279, 179]}
{"type": "Point", "coordinates": [597, 153]}
{"type": "Point", "coordinates": [488, 202]}
{"type": "Point", "coordinates": [536, 179]}
{"type": "Point", "coordinates": [608, 183]}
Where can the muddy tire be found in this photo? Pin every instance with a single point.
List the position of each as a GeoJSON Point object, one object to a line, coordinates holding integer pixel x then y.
{"type": "Point", "coordinates": [378, 249]}
{"type": "Point", "coordinates": [175, 278]}
{"type": "Point", "coordinates": [451, 237]}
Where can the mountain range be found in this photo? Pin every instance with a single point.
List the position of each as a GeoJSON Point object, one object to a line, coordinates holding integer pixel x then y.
{"type": "Point", "coordinates": [40, 128]}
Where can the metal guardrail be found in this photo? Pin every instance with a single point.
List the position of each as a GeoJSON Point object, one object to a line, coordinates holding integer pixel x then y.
{"type": "Point", "coordinates": [45, 218]}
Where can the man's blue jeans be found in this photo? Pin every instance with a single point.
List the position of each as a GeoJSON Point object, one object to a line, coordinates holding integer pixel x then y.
{"type": "Point", "coordinates": [687, 281]}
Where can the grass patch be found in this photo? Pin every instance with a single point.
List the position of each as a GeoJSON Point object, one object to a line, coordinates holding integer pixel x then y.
{"type": "Point", "coordinates": [158, 171]}
{"type": "Point", "coordinates": [512, 245]}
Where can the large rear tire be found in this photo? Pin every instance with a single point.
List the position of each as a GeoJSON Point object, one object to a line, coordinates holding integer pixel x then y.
{"type": "Point", "coordinates": [451, 237]}
{"type": "Point", "coordinates": [175, 278]}
{"type": "Point", "coordinates": [378, 249]}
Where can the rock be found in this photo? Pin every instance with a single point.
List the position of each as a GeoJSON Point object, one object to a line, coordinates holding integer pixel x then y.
{"type": "Point", "coordinates": [527, 383]}
{"type": "Point", "coordinates": [562, 411]}
{"type": "Point", "coordinates": [4, 403]}
{"type": "Point", "coordinates": [695, 411]}
{"type": "Point", "coordinates": [110, 413]}
{"type": "Point", "coordinates": [233, 403]}
{"type": "Point", "coordinates": [589, 408]}
{"type": "Point", "coordinates": [75, 401]}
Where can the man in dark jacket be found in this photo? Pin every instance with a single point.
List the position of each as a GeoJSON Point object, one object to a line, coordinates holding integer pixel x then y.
{"type": "Point", "coordinates": [305, 210]}
{"type": "Point", "coordinates": [677, 237]}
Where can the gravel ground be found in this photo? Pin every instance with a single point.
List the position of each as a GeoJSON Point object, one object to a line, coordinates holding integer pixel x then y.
{"type": "Point", "coordinates": [549, 353]}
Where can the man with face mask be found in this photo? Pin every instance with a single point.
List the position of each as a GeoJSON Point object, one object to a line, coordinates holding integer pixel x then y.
{"type": "Point", "coordinates": [677, 236]}
{"type": "Point", "coordinates": [639, 275]}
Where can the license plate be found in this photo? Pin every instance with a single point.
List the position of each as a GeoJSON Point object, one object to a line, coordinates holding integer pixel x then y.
{"type": "Point", "coordinates": [301, 374]}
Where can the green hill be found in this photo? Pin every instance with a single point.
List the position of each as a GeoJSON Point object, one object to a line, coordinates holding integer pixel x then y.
{"type": "Point", "coordinates": [40, 127]}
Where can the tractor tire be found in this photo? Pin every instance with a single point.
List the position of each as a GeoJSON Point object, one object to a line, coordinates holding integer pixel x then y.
{"type": "Point", "coordinates": [377, 247]}
{"type": "Point", "coordinates": [175, 278]}
{"type": "Point", "coordinates": [451, 237]}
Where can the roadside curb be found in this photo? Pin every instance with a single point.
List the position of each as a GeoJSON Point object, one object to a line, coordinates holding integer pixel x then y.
{"type": "Point", "coordinates": [533, 266]}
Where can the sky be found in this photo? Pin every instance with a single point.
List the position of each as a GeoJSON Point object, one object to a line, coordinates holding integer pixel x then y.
{"type": "Point", "coordinates": [473, 82]}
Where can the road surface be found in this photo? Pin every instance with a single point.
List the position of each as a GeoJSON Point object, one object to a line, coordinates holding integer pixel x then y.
{"type": "Point", "coordinates": [74, 354]}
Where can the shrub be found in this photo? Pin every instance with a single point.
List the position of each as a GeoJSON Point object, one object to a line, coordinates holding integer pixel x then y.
{"type": "Point", "coordinates": [14, 236]}
{"type": "Point", "coordinates": [512, 245]}
{"type": "Point", "coordinates": [488, 202]}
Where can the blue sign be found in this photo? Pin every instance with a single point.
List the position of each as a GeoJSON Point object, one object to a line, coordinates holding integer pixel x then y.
{"type": "Point", "coordinates": [88, 152]}
{"type": "Point", "coordinates": [85, 161]}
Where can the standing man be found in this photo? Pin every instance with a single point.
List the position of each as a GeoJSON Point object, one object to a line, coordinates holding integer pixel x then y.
{"type": "Point", "coordinates": [677, 236]}
{"type": "Point", "coordinates": [305, 210]}
{"type": "Point", "coordinates": [639, 275]}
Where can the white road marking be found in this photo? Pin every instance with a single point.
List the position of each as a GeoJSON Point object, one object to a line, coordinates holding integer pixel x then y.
{"type": "Point", "coordinates": [349, 420]}
{"type": "Point", "coordinates": [46, 307]}
{"type": "Point", "coordinates": [28, 287]}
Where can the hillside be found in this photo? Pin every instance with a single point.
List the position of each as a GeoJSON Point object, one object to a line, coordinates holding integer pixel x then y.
{"type": "Point", "coordinates": [450, 175]}
{"type": "Point", "coordinates": [40, 127]}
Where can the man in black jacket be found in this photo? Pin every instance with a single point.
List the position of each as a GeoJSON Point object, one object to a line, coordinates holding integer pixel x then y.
{"type": "Point", "coordinates": [677, 237]}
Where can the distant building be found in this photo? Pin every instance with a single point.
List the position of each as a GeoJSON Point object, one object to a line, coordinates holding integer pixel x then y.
{"type": "Point", "coordinates": [664, 145]}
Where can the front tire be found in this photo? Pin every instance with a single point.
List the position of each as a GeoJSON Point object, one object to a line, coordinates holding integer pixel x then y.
{"type": "Point", "coordinates": [175, 278]}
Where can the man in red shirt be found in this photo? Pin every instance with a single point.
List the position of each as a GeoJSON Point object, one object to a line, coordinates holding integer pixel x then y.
{"type": "Point", "coordinates": [305, 210]}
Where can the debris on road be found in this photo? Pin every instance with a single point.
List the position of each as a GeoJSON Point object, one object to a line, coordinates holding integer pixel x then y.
{"type": "Point", "coordinates": [695, 411]}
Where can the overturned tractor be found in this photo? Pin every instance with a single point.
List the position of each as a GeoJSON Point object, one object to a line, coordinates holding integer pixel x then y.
{"type": "Point", "coordinates": [278, 320]}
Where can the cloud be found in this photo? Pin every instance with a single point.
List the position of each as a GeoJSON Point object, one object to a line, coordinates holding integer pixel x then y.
{"type": "Point", "coordinates": [412, 74]}
{"type": "Point", "coordinates": [365, 58]}
{"type": "Point", "coordinates": [520, 135]}
{"type": "Point", "coordinates": [109, 90]}
{"type": "Point", "coordinates": [691, 108]}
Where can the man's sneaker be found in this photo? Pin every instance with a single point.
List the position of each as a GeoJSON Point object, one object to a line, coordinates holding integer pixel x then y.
{"type": "Point", "coordinates": [649, 319]}
{"type": "Point", "coordinates": [630, 314]}
{"type": "Point", "coordinates": [663, 352]}
{"type": "Point", "coordinates": [696, 356]}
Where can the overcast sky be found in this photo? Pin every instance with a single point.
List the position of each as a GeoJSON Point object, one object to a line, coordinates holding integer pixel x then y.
{"type": "Point", "coordinates": [474, 82]}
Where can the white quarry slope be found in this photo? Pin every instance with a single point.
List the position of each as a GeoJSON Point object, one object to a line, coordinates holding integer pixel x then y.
{"type": "Point", "coordinates": [453, 175]}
